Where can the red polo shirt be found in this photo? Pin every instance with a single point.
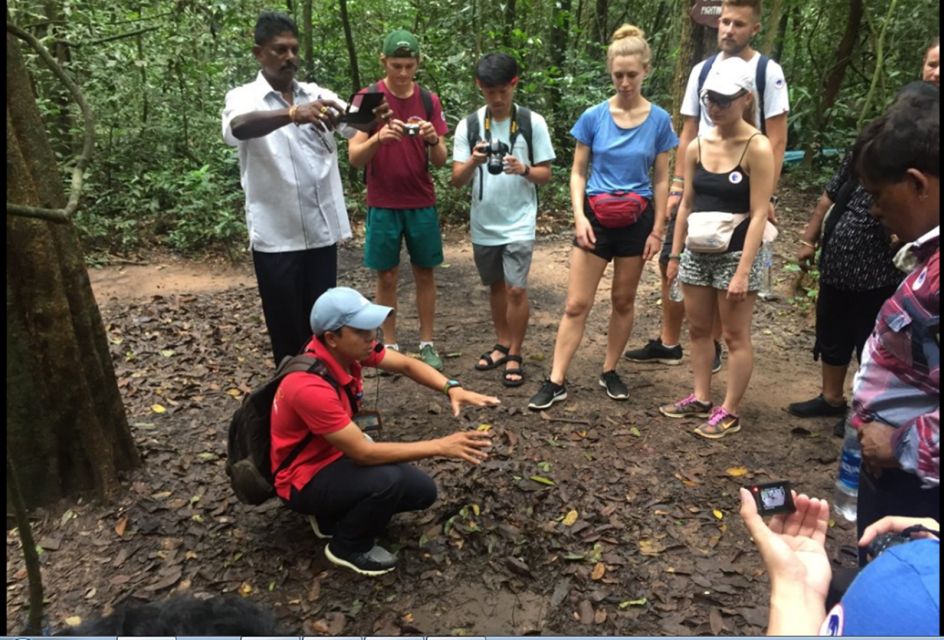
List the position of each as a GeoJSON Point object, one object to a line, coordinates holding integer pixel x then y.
{"type": "Point", "coordinates": [307, 402]}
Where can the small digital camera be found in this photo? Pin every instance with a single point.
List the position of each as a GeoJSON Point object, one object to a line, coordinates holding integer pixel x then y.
{"type": "Point", "coordinates": [772, 497]}
{"type": "Point", "coordinates": [411, 129]}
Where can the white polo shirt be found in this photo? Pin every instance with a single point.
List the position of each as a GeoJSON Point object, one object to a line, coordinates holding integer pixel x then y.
{"type": "Point", "coordinates": [776, 99]}
{"type": "Point", "coordinates": [294, 197]}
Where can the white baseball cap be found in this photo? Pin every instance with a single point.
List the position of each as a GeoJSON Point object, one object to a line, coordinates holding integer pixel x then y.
{"type": "Point", "coordinates": [345, 307]}
{"type": "Point", "coordinates": [729, 77]}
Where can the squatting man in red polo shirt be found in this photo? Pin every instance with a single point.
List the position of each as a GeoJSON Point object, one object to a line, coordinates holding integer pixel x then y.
{"type": "Point", "coordinates": [349, 485]}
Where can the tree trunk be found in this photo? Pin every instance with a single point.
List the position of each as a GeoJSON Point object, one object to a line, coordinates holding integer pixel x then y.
{"type": "Point", "coordinates": [773, 25]}
{"type": "Point", "coordinates": [308, 41]}
{"type": "Point", "coordinates": [66, 427]}
{"type": "Point", "coordinates": [509, 25]}
{"type": "Point", "coordinates": [843, 56]}
{"type": "Point", "coordinates": [351, 49]}
{"type": "Point", "coordinates": [601, 29]}
{"type": "Point", "coordinates": [560, 28]}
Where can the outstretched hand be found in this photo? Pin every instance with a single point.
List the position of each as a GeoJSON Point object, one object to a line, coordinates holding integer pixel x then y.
{"type": "Point", "coordinates": [792, 547]}
{"type": "Point", "coordinates": [459, 396]}
{"type": "Point", "coordinates": [466, 445]}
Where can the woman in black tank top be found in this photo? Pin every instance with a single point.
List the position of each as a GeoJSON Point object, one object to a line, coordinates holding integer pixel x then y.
{"type": "Point", "coordinates": [729, 180]}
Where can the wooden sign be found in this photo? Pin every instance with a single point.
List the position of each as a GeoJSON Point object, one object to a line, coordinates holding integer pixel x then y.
{"type": "Point", "coordinates": [707, 12]}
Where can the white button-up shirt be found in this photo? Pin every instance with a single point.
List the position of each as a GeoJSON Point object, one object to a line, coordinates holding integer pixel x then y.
{"type": "Point", "coordinates": [294, 197]}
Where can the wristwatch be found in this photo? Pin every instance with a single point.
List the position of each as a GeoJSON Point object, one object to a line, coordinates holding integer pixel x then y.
{"type": "Point", "coordinates": [450, 384]}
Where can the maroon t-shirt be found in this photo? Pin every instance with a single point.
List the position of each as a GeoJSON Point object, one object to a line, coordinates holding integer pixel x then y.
{"type": "Point", "coordinates": [398, 175]}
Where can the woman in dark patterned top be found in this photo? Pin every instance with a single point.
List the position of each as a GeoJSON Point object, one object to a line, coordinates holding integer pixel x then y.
{"type": "Point", "coordinates": [856, 275]}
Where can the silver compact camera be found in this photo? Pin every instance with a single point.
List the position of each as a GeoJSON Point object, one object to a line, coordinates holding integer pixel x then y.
{"type": "Point", "coordinates": [411, 129]}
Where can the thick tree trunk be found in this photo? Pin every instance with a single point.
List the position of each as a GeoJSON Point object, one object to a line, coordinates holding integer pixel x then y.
{"type": "Point", "coordinates": [837, 72]}
{"type": "Point", "coordinates": [66, 427]}
{"type": "Point", "coordinates": [351, 49]}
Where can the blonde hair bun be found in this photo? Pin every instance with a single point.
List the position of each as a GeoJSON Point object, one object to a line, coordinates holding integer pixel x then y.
{"type": "Point", "coordinates": [628, 31]}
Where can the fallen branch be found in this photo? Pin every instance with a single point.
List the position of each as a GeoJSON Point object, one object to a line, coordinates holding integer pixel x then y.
{"type": "Point", "coordinates": [548, 418]}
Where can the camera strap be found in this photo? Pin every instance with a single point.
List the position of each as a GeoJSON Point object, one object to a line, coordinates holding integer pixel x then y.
{"type": "Point", "coordinates": [513, 135]}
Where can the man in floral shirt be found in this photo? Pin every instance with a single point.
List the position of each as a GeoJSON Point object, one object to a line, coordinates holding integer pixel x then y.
{"type": "Point", "coordinates": [896, 400]}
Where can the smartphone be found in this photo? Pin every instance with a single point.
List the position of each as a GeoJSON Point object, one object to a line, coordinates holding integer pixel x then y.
{"type": "Point", "coordinates": [772, 497]}
{"type": "Point", "coordinates": [360, 107]}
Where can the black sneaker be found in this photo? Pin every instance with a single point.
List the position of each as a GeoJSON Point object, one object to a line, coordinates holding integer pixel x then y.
{"type": "Point", "coordinates": [716, 363]}
{"type": "Point", "coordinates": [839, 429]}
{"type": "Point", "coordinates": [374, 562]}
{"type": "Point", "coordinates": [655, 351]}
{"type": "Point", "coordinates": [614, 385]}
{"type": "Point", "coordinates": [818, 407]}
{"type": "Point", "coordinates": [548, 394]}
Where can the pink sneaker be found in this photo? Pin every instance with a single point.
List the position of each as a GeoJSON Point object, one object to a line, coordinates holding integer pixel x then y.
{"type": "Point", "coordinates": [721, 423]}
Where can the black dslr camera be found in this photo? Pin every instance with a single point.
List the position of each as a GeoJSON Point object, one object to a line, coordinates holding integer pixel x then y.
{"type": "Point", "coordinates": [496, 150]}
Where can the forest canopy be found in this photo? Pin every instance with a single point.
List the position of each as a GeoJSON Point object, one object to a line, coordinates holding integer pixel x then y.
{"type": "Point", "coordinates": [155, 74]}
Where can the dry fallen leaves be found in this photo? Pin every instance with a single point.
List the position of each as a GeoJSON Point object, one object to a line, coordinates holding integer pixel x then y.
{"type": "Point", "coordinates": [598, 570]}
{"type": "Point", "coordinates": [570, 518]}
{"type": "Point", "coordinates": [736, 472]}
{"type": "Point", "coordinates": [121, 525]}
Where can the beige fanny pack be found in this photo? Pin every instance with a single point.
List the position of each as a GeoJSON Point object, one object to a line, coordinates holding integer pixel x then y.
{"type": "Point", "coordinates": [711, 231]}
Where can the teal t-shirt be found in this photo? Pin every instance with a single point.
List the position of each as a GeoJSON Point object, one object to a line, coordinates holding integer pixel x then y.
{"type": "Point", "coordinates": [621, 159]}
{"type": "Point", "coordinates": [507, 210]}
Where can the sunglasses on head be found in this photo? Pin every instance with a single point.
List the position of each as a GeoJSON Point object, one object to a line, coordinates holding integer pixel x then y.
{"type": "Point", "coordinates": [720, 101]}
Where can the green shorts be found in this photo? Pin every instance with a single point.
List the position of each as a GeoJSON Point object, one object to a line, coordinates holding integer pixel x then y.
{"type": "Point", "coordinates": [386, 228]}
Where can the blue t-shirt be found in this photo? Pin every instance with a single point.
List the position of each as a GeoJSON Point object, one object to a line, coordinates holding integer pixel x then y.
{"type": "Point", "coordinates": [620, 159]}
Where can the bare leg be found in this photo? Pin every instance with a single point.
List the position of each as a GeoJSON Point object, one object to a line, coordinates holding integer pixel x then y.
{"type": "Point", "coordinates": [425, 300]}
{"type": "Point", "coordinates": [387, 296]}
{"type": "Point", "coordinates": [586, 269]}
{"type": "Point", "coordinates": [517, 323]}
{"type": "Point", "coordinates": [626, 273]}
{"type": "Point", "coordinates": [672, 314]}
{"type": "Point", "coordinates": [498, 304]}
{"type": "Point", "coordinates": [736, 321]}
{"type": "Point", "coordinates": [834, 379]}
{"type": "Point", "coordinates": [700, 306]}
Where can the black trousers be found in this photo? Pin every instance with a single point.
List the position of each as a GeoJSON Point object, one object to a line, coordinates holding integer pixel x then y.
{"type": "Point", "coordinates": [289, 284]}
{"type": "Point", "coordinates": [895, 493]}
{"type": "Point", "coordinates": [355, 503]}
{"type": "Point", "coordinates": [844, 321]}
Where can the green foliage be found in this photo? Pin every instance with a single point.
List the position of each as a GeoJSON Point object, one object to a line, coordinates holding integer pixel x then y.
{"type": "Point", "coordinates": [156, 73]}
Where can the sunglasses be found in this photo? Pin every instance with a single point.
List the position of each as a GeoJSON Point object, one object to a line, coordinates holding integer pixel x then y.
{"type": "Point", "coordinates": [720, 101]}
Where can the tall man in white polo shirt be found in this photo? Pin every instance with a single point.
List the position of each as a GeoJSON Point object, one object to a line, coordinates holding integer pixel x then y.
{"type": "Point", "coordinates": [295, 208]}
{"type": "Point", "coordinates": [737, 26]}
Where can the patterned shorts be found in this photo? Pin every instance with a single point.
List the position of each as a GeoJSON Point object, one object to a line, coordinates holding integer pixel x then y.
{"type": "Point", "coordinates": [716, 270]}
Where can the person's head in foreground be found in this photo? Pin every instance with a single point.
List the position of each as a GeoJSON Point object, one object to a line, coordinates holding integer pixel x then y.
{"type": "Point", "coordinates": [897, 158]}
{"type": "Point", "coordinates": [347, 323]}
{"type": "Point", "coordinates": [727, 94]}
{"type": "Point", "coordinates": [930, 67]}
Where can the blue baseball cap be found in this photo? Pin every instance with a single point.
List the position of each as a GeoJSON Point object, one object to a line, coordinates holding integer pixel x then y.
{"type": "Point", "coordinates": [897, 594]}
{"type": "Point", "coordinates": [345, 307]}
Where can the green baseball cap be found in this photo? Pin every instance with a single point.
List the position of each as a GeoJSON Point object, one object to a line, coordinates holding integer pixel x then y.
{"type": "Point", "coordinates": [401, 44]}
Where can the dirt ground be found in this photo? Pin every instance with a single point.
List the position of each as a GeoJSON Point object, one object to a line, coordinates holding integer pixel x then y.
{"type": "Point", "coordinates": [594, 518]}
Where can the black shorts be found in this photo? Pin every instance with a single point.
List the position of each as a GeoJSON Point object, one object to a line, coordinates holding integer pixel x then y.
{"type": "Point", "coordinates": [844, 320]}
{"type": "Point", "coordinates": [625, 242]}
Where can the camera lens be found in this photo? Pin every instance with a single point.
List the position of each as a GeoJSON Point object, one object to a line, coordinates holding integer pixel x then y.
{"type": "Point", "coordinates": [496, 155]}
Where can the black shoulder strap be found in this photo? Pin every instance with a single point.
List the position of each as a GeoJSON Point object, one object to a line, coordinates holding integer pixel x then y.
{"type": "Point", "coordinates": [524, 126]}
{"type": "Point", "coordinates": [472, 135]}
{"type": "Point", "coordinates": [427, 99]}
{"type": "Point", "coordinates": [746, 145]}
{"type": "Point", "coordinates": [760, 83]}
{"type": "Point", "coordinates": [702, 76]}
{"type": "Point", "coordinates": [319, 368]}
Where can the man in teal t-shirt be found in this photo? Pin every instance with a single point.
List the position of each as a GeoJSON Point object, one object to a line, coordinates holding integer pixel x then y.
{"type": "Point", "coordinates": [504, 205]}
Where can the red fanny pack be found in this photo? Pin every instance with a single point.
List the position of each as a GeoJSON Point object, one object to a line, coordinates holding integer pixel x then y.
{"type": "Point", "coordinates": [619, 209]}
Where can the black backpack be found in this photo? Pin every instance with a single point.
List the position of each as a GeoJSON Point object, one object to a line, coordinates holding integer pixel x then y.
{"type": "Point", "coordinates": [522, 118]}
{"type": "Point", "coordinates": [760, 83]}
{"type": "Point", "coordinates": [250, 440]}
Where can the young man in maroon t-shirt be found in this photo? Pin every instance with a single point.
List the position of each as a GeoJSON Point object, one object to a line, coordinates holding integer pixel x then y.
{"type": "Point", "coordinates": [401, 200]}
{"type": "Point", "coordinates": [349, 485]}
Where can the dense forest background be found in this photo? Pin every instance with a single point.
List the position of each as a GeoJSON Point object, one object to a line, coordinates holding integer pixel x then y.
{"type": "Point", "coordinates": [155, 73]}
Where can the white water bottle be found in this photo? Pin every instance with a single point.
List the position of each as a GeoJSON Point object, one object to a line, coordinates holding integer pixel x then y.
{"type": "Point", "coordinates": [847, 484]}
{"type": "Point", "coordinates": [675, 290]}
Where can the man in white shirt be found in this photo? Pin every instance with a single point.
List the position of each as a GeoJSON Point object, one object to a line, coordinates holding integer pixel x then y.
{"type": "Point", "coordinates": [295, 209]}
{"type": "Point", "coordinates": [737, 26]}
